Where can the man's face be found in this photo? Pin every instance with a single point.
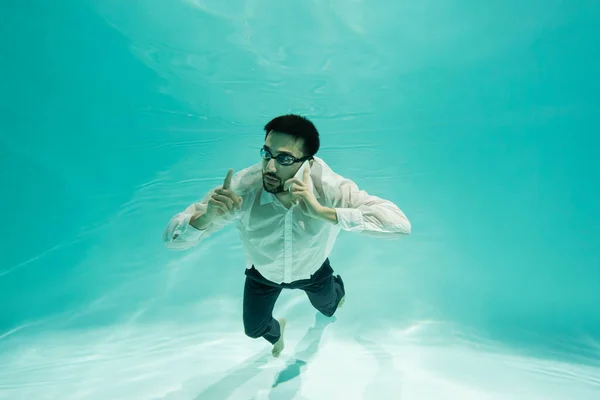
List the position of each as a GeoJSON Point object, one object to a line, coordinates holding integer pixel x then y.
{"type": "Point", "coordinates": [280, 143]}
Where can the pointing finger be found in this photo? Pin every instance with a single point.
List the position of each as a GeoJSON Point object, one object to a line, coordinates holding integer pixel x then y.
{"type": "Point", "coordinates": [227, 182]}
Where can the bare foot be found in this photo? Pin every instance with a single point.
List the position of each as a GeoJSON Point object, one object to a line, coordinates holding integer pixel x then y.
{"type": "Point", "coordinates": [278, 347]}
{"type": "Point", "coordinates": [341, 303]}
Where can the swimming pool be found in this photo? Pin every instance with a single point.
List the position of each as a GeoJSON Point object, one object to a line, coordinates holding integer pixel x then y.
{"type": "Point", "coordinates": [477, 120]}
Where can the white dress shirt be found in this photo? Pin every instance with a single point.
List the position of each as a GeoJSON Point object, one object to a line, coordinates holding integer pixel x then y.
{"type": "Point", "coordinates": [285, 244]}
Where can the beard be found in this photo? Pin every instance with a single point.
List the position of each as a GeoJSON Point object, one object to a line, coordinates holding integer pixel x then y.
{"type": "Point", "coordinates": [271, 187]}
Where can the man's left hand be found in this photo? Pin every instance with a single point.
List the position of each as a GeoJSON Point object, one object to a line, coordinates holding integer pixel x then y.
{"type": "Point", "coordinates": [300, 191]}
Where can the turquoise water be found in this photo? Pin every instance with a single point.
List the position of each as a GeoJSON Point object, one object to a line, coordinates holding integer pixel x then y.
{"type": "Point", "coordinates": [476, 118]}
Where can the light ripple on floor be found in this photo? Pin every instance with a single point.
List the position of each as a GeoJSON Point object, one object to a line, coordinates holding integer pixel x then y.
{"type": "Point", "coordinates": [191, 362]}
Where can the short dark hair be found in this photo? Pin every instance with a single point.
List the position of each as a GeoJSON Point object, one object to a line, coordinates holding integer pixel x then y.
{"type": "Point", "coordinates": [299, 127]}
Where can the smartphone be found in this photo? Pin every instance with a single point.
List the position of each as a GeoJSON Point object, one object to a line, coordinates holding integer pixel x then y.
{"type": "Point", "coordinates": [300, 175]}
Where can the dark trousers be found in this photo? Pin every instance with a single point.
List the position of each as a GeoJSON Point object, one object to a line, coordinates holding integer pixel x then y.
{"type": "Point", "coordinates": [323, 289]}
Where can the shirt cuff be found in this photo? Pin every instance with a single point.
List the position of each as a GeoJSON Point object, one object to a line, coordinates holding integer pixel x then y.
{"type": "Point", "coordinates": [350, 219]}
{"type": "Point", "coordinates": [184, 231]}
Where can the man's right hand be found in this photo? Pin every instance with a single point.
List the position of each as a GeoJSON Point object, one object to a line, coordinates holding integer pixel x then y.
{"type": "Point", "coordinates": [223, 202]}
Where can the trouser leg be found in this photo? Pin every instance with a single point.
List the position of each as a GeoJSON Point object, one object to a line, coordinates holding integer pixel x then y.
{"type": "Point", "coordinates": [325, 290]}
{"type": "Point", "coordinates": [259, 301]}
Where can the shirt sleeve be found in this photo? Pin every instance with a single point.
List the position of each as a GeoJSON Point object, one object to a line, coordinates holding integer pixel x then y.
{"type": "Point", "coordinates": [180, 235]}
{"type": "Point", "coordinates": [358, 211]}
